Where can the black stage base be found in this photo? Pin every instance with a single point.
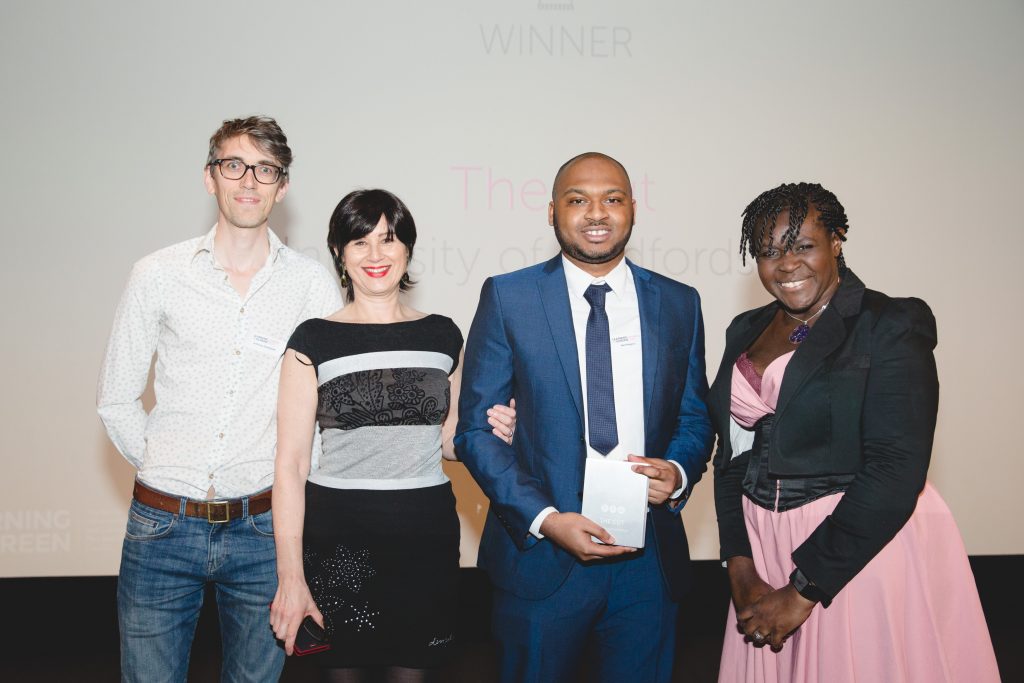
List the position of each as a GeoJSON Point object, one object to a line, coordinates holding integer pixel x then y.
{"type": "Point", "coordinates": [65, 629]}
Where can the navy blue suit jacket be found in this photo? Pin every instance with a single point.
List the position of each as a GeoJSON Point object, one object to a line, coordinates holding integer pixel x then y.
{"type": "Point", "coordinates": [522, 345]}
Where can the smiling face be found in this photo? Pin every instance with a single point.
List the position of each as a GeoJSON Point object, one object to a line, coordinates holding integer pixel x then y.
{"type": "Point", "coordinates": [244, 203]}
{"type": "Point", "coordinates": [376, 262]}
{"type": "Point", "coordinates": [592, 213]}
{"type": "Point", "coordinates": [803, 277]}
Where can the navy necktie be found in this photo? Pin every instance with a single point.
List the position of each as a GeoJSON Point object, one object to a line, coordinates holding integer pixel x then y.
{"type": "Point", "coordinates": [604, 435]}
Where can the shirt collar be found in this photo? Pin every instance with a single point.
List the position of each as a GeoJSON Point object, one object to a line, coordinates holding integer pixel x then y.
{"type": "Point", "coordinates": [206, 246]}
{"type": "Point", "coordinates": [578, 279]}
{"type": "Point", "coordinates": [206, 243]}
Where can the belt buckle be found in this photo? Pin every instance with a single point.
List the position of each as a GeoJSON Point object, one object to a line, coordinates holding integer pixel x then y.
{"type": "Point", "coordinates": [209, 511]}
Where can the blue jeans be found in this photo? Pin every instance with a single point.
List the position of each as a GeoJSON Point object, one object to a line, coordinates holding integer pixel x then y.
{"type": "Point", "coordinates": [166, 562]}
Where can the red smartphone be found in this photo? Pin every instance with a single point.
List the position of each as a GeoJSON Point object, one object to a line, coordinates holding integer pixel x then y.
{"type": "Point", "coordinates": [310, 639]}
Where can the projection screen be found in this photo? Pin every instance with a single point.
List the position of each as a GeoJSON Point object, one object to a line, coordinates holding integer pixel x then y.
{"type": "Point", "coordinates": [911, 112]}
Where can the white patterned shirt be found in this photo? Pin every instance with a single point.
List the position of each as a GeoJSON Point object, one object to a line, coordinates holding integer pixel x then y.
{"type": "Point", "coordinates": [218, 357]}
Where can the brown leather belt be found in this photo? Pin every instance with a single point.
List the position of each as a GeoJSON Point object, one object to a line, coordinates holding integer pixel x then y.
{"type": "Point", "coordinates": [213, 511]}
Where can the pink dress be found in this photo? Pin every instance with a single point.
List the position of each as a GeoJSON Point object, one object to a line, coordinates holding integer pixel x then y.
{"type": "Point", "coordinates": [912, 614]}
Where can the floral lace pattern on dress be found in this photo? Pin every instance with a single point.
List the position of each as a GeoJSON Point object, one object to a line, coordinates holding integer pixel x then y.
{"type": "Point", "coordinates": [379, 398]}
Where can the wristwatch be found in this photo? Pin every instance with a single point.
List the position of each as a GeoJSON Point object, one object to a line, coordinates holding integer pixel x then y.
{"type": "Point", "coordinates": [806, 588]}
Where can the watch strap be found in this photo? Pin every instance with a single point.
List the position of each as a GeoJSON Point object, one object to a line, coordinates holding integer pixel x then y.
{"type": "Point", "coordinates": [808, 589]}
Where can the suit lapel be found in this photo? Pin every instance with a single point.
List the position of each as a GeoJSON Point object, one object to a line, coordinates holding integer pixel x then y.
{"type": "Point", "coordinates": [825, 337]}
{"type": "Point", "coordinates": [739, 340]}
{"type": "Point", "coordinates": [748, 333]}
{"type": "Point", "coordinates": [649, 302]}
{"type": "Point", "coordinates": [554, 297]}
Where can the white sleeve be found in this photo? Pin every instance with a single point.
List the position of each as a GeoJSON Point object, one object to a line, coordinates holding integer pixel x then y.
{"type": "Point", "coordinates": [539, 519]}
{"type": "Point", "coordinates": [125, 369]}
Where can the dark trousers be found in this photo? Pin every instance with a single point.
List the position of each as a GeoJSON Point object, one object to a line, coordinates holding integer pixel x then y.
{"type": "Point", "coordinates": [620, 607]}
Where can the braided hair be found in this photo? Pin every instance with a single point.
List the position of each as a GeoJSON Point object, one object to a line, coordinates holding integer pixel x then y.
{"type": "Point", "coordinates": [760, 215]}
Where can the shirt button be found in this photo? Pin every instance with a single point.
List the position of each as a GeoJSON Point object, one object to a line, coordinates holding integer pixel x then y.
{"type": "Point", "coordinates": [211, 476]}
{"type": "Point", "coordinates": [219, 436]}
{"type": "Point", "coordinates": [238, 352]}
{"type": "Point", "coordinates": [242, 309]}
{"type": "Point", "coordinates": [231, 392]}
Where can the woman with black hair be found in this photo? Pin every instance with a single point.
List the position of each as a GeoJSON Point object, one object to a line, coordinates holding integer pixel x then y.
{"type": "Point", "coordinates": [844, 563]}
{"type": "Point", "coordinates": [367, 535]}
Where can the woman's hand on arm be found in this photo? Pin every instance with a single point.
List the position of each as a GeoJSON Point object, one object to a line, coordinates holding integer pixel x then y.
{"type": "Point", "coordinates": [501, 418]}
{"type": "Point", "coordinates": [296, 419]}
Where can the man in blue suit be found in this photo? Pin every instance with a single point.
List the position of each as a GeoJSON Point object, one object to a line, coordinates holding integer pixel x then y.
{"type": "Point", "coordinates": [605, 360]}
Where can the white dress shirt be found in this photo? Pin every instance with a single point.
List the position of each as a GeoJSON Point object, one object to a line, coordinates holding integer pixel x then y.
{"type": "Point", "coordinates": [624, 328]}
{"type": "Point", "coordinates": [218, 360]}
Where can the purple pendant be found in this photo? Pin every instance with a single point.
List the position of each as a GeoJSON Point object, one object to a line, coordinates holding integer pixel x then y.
{"type": "Point", "coordinates": [799, 333]}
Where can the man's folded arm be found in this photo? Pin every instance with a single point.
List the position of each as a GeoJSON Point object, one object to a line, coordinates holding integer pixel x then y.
{"type": "Point", "coordinates": [516, 496]}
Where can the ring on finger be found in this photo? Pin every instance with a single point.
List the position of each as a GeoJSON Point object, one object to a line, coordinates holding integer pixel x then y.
{"type": "Point", "coordinates": [758, 637]}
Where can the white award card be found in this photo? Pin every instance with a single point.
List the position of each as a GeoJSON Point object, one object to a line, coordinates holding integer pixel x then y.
{"type": "Point", "coordinates": [615, 497]}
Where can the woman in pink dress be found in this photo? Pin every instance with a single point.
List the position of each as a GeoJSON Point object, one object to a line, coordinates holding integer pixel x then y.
{"type": "Point", "coordinates": [844, 564]}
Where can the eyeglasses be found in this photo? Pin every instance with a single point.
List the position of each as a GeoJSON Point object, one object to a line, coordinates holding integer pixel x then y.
{"type": "Point", "coordinates": [234, 169]}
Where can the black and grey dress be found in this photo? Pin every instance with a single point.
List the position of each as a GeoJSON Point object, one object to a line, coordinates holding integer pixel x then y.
{"type": "Point", "coordinates": [381, 536]}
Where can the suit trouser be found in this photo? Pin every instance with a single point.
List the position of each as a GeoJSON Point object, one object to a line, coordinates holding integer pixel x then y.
{"type": "Point", "coordinates": [620, 608]}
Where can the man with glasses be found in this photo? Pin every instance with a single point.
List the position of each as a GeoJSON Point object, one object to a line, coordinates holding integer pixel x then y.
{"type": "Point", "coordinates": [217, 311]}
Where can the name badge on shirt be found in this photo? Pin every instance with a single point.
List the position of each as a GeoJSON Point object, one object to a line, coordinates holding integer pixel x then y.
{"type": "Point", "coordinates": [627, 341]}
{"type": "Point", "coordinates": [268, 345]}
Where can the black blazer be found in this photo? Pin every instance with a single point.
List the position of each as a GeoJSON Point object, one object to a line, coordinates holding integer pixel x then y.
{"type": "Point", "coordinates": [860, 397]}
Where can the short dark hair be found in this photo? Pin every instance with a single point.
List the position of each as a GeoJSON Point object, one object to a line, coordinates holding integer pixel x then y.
{"type": "Point", "coordinates": [589, 155]}
{"type": "Point", "coordinates": [264, 133]}
{"type": "Point", "coordinates": [358, 214]}
{"type": "Point", "coordinates": [760, 215]}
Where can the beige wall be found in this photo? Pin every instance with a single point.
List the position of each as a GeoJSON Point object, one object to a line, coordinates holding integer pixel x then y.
{"type": "Point", "coordinates": [910, 112]}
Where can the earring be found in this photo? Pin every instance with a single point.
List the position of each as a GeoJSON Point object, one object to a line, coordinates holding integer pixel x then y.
{"type": "Point", "coordinates": [405, 277]}
{"type": "Point", "coordinates": [344, 278]}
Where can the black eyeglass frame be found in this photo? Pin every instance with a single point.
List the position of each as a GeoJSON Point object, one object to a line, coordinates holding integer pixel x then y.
{"type": "Point", "coordinates": [282, 172]}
